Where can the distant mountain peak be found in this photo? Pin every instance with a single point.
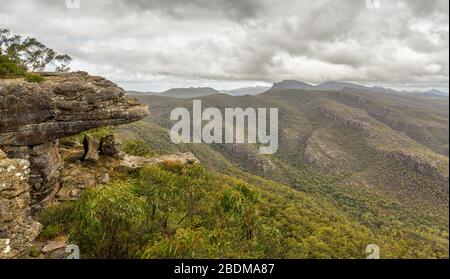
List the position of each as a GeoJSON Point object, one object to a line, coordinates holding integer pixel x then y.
{"type": "Point", "coordinates": [339, 85]}
{"type": "Point", "coordinates": [191, 92]}
{"type": "Point", "coordinates": [251, 90]}
{"type": "Point", "coordinates": [436, 92]}
{"type": "Point", "coordinates": [291, 84]}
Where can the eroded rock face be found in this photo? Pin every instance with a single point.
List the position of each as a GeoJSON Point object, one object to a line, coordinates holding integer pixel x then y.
{"type": "Point", "coordinates": [45, 161]}
{"type": "Point", "coordinates": [33, 116]}
{"type": "Point", "coordinates": [17, 228]}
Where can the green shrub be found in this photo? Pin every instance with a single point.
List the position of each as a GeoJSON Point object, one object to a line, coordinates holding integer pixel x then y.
{"type": "Point", "coordinates": [33, 252]}
{"type": "Point", "coordinates": [51, 231]}
{"type": "Point", "coordinates": [32, 77]}
{"type": "Point", "coordinates": [8, 67]}
{"type": "Point", "coordinates": [97, 133]}
{"type": "Point", "coordinates": [108, 222]}
{"type": "Point", "coordinates": [171, 211]}
{"type": "Point", "coordinates": [57, 220]}
{"type": "Point", "coordinates": [186, 244]}
{"type": "Point", "coordinates": [137, 148]}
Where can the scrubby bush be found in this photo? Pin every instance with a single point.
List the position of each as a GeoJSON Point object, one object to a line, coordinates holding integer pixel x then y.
{"type": "Point", "coordinates": [57, 220]}
{"type": "Point", "coordinates": [31, 77]}
{"type": "Point", "coordinates": [137, 148]}
{"type": "Point", "coordinates": [109, 222]}
{"type": "Point", "coordinates": [169, 211]}
{"type": "Point", "coordinates": [7, 67]}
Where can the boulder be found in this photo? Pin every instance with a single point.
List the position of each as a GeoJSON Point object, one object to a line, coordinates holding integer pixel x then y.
{"type": "Point", "coordinates": [109, 146]}
{"type": "Point", "coordinates": [91, 147]}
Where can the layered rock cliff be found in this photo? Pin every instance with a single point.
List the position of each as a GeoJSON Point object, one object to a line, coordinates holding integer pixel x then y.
{"type": "Point", "coordinates": [17, 228]}
{"type": "Point", "coordinates": [33, 116]}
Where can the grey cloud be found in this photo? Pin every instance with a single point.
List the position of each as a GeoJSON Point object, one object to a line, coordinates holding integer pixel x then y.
{"type": "Point", "coordinates": [405, 41]}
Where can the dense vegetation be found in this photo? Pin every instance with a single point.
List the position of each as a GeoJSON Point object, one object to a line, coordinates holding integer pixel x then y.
{"type": "Point", "coordinates": [176, 211]}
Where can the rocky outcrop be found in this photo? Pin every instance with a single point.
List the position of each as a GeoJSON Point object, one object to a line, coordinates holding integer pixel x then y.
{"type": "Point", "coordinates": [17, 228]}
{"type": "Point", "coordinates": [33, 116]}
{"type": "Point", "coordinates": [381, 139]}
{"type": "Point", "coordinates": [357, 124]}
{"type": "Point", "coordinates": [135, 162]}
{"type": "Point", "coordinates": [327, 156]}
{"type": "Point", "coordinates": [423, 164]}
{"type": "Point", "coordinates": [247, 155]}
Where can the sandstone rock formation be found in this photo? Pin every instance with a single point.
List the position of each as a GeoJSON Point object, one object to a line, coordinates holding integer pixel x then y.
{"type": "Point", "coordinates": [17, 229]}
{"type": "Point", "coordinates": [33, 116]}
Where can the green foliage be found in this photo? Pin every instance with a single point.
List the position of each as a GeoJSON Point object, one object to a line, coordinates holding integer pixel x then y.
{"type": "Point", "coordinates": [137, 148]}
{"type": "Point", "coordinates": [31, 77]}
{"type": "Point", "coordinates": [169, 210]}
{"type": "Point", "coordinates": [97, 133]}
{"type": "Point", "coordinates": [28, 54]}
{"type": "Point", "coordinates": [9, 68]}
{"type": "Point", "coordinates": [108, 221]}
{"type": "Point", "coordinates": [33, 252]}
{"type": "Point", "coordinates": [57, 220]}
{"type": "Point", "coordinates": [51, 231]}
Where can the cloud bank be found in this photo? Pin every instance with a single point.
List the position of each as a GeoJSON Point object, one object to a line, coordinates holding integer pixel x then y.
{"type": "Point", "coordinates": [159, 44]}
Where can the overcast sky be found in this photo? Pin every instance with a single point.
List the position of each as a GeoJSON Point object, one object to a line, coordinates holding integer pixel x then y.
{"type": "Point", "coordinates": [154, 45]}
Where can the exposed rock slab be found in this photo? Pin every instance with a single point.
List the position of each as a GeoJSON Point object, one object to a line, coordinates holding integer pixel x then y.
{"type": "Point", "coordinates": [134, 162]}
